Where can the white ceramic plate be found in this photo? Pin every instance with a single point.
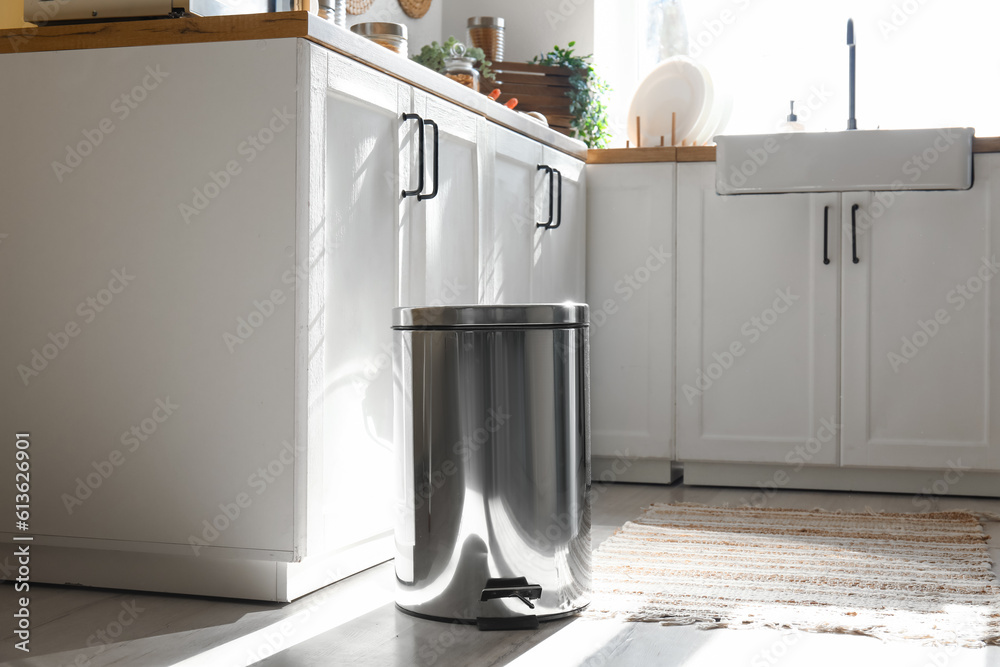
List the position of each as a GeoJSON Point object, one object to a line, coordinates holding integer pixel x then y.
{"type": "Point", "coordinates": [722, 108]}
{"type": "Point", "coordinates": [677, 84]}
{"type": "Point", "coordinates": [710, 111]}
{"type": "Point", "coordinates": [726, 111]}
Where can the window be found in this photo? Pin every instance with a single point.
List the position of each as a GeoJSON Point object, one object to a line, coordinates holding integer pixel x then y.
{"type": "Point", "coordinates": [920, 63]}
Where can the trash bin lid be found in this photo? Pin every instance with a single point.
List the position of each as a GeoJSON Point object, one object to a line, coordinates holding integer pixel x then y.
{"type": "Point", "coordinates": [543, 315]}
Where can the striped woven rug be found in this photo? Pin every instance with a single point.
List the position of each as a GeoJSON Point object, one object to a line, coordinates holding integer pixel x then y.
{"type": "Point", "coordinates": [923, 577]}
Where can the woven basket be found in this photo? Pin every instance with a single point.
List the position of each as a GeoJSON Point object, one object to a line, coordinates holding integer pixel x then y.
{"type": "Point", "coordinates": [537, 88]}
{"type": "Point", "coordinates": [415, 9]}
{"type": "Point", "coordinates": [356, 7]}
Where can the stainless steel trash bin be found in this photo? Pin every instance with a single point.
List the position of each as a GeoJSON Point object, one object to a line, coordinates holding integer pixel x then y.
{"type": "Point", "coordinates": [492, 426]}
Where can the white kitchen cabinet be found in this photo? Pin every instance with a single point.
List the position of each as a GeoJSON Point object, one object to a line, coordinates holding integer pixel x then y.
{"type": "Point", "coordinates": [630, 285]}
{"type": "Point", "coordinates": [757, 324]}
{"type": "Point", "coordinates": [921, 327]}
{"type": "Point", "coordinates": [559, 251]}
{"type": "Point", "coordinates": [221, 415]}
{"type": "Point", "coordinates": [206, 219]}
{"type": "Point", "coordinates": [366, 157]}
{"type": "Point", "coordinates": [444, 267]}
{"type": "Point", "coordinates": [523, 260]}
{"type": "Point", "coordinates": [508, 231]}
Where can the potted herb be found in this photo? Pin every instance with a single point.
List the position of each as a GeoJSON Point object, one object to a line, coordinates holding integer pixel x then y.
{"type": "Point", "coordinates": [590, 114]}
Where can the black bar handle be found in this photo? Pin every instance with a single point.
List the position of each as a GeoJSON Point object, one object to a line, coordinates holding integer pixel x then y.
{"type": "Point", "coordinates": [434, 167]}
{"type": "Point", "coordinates": [549, 171]}
{"type": "Point", "coordinates": [854, 233]}
{"type": "Point", "coordinates": [826, 233]}
{"type": "Point", "coordinates": [420, 151]}
{"type": "Point", "coordinates": [559, 200]}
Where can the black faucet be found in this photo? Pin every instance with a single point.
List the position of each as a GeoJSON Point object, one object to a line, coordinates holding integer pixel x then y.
{"type": "Point", "coordinates": [852, 122]}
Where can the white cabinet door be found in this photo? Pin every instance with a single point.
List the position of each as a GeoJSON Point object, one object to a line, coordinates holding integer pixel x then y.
{"type": "Point", "coordinates": [443, 249]}
{"type": "Point", "coordinates": [368, 160]}
{"type": "Point", "coordinates": [509, 226]}
{"type": "Point", "coordinates": [559, 252]}
{"type": "Point", "coordinates": [630, 284]}
{"type": "Point", "coordinates": [757, 324]}
{"type": "Point", "coordinates": [921, 327]}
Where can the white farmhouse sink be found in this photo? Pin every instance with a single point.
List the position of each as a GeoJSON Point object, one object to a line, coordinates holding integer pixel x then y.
{"type": "Point", "coordinates": [935, 159]}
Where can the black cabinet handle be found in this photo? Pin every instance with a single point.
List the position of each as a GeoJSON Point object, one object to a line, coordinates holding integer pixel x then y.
{"type": "Point", "coordinates": [549, 170]}
{"type": "Point", "coordinates": [420, 151]}
{"type": "Point", "coordinates": [826, 233]}
{"type": "Point", "coordinates": [854, 233]}
{"type": "Point", "coordinates": [558, 202]}
{"type": "Point", "coordinates": [434, 167]}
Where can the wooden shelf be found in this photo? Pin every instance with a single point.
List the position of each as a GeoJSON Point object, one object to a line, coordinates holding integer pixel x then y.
{"type": "Point", "coordinates": [185, 30]}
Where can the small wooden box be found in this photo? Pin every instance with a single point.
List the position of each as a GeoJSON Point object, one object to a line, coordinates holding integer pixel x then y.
{"type": "Point", "coordinates": [537, 88]}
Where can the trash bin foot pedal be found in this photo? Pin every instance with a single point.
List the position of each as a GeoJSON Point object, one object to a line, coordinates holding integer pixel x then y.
{"type": "Point", "coordinates": [511, 587]}
{"type": "Point", "coordinates": [508, 623]}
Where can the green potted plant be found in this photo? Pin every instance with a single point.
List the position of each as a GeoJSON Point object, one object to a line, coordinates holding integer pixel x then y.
{"type": "Point", "coordinates": [590, 113]}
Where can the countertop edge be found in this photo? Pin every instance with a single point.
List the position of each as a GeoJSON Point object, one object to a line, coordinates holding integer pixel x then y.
{"type": "Point", "coordinates": [707, 153]}
{"type": "Point", "coordinates": [278, 25]}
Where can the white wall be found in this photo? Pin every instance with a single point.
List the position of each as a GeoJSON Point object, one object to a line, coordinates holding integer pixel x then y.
{"type": "Point", "coordinates": [531, 26]}
{"type": "Point", "coordinates": [419, 31]}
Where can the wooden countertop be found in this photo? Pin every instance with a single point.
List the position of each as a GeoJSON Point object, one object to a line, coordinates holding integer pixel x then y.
{"type": "Point", "coordinates": [278, 25]}
{"type": "Point", "coordinates": [707, 153]}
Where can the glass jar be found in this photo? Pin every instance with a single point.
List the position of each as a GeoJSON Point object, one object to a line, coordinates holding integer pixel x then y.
{"type": "Point", "coordinates": [390, 35]}
{"type": "Point", "coordinates": [462, 68]}
{"type": "Point", "coordinates": [486, 33]}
